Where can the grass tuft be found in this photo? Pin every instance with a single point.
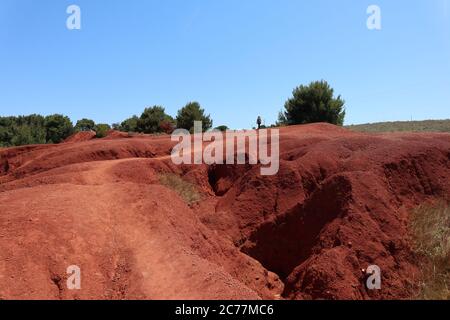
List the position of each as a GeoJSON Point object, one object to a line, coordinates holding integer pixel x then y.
{"type": "Point", "coordinates": [186, 190]}
{"type": "Point", "coordinates": [430, 228]}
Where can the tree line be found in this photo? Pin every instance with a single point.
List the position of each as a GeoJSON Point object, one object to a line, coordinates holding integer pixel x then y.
{"type": "Point", "coordinates": [156, 120]}
{"type": "Point", "coordinates": [309, 104]}
{"type": "Point", "coordinates": [37, 129]}
{"type": "Point", "coordinates": [34, 129]}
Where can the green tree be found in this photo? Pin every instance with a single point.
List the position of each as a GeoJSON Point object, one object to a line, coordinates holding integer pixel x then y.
{"type": "Point", "coordinates": [6, 133]}
{"type": "Point", "coordinates": [102, 129]}
{"type": "Point", "coordinates": [313, 103]}
{"type": "Point", "coordinates": [151, 119]}
{"type": "Point", "coordinates": [85, 125]}
{"type": "Point", "coordinates": [222, 128]}
{"type": "Point", "coordinates": [37, 129]}
{"type": "Point", "coordinates": [190, 113]}
{"type": "Point", "coordinates": [130, 124]}
{"type": "Point", "coordinates": [22, 130]}
{"type": "Point", "coordinates": [58, 128]}
{"type": "Point", "coordinates": [22, 136]}
{"type": "Point", "coordinates": [167, 125]}
{"type": "Point", "coordinates": [282, 120]}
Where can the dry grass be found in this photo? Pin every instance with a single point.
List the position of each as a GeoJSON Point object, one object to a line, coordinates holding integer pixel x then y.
{"type": "Point", "coordinates": [430, 227]}
{"type": "Point", "coordinates": [186, 190]}
{"type": "Point", "coordinates": [404, 126]}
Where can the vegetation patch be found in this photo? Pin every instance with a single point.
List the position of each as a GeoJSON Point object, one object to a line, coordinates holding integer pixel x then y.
{"type": "Point", "coordinates": [186, 190]}
{"type": "Point", "coordinates": [430, 229]}
{"type": "Point", "coordinates": [404, 126]}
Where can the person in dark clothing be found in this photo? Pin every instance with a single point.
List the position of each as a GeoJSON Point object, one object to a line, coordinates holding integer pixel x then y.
{"type": "Point", "coordinates": [258, 122]}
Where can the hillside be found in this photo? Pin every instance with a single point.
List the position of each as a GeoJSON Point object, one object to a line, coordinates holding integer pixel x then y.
{"type": "Point", "coordinates": [405, 126]}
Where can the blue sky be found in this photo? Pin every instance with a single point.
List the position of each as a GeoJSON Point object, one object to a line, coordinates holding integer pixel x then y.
{"type": "Point", "coordinates": [238, 58]}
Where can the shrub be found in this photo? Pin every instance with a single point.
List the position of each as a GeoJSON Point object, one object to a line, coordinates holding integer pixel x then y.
{"type": "Point", "coordinates": [167, 126]}
{"type": "Point", "coordinates": [186, 190]}
{"type": "Point", "coordinates": [151, 119]}
{"type": "Point", "coordinates": [85, 125]}
{"type": "Point", "coordinates": [222, 128]}
{"type": "Point", "coordinates": [130, 124]}
{"type": "Point", "coordinates": [101, 130]}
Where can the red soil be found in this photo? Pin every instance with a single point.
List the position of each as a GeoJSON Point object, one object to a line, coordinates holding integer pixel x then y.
{"type": "Point", "coordinates": [81, 136]}
{"type": "Point", "coordinates": [339, 203]}
{"type": "Point", "coordinates": [114, 134]}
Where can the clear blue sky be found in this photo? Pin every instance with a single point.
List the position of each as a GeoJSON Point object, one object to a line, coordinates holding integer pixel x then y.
{"type": "Point", "coordinates": [238, 58]}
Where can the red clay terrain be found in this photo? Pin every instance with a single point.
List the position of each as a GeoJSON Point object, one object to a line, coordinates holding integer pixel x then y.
{"type": "Point", "coordinates": [81, 136]}
{"type": "Point", "coordinates": [339, 203]}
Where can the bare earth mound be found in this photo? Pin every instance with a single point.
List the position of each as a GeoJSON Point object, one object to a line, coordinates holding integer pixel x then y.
{"type": "Point", "coordinates": [339, 203]}
{"type": "Point", "coordinates": [81, 136]}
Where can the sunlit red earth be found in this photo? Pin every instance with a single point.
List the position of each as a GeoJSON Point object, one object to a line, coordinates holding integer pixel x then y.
{"type": "Point", "coordinates": [339, 203]}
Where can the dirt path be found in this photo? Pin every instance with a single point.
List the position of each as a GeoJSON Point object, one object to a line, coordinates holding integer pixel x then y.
{"type": "Point", "coordinates": [131, 241]}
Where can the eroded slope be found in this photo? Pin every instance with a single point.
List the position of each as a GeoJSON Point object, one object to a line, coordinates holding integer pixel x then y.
{"type": "Point", "coordinates": [339, 203]}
